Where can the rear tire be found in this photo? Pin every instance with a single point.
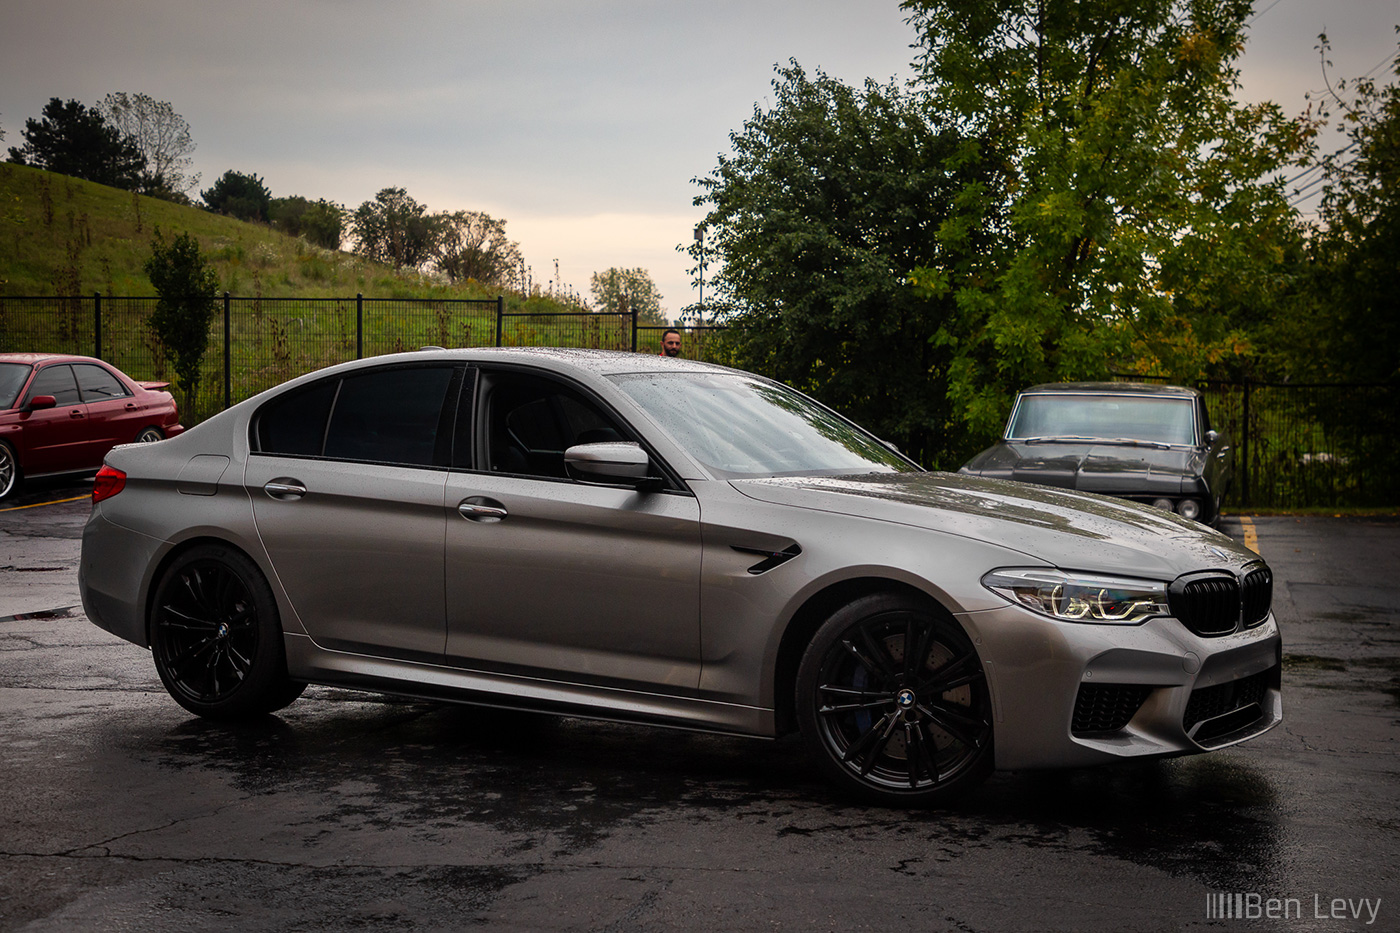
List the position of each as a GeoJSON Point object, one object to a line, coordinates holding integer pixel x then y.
{"type": "Point", "coordinates": [217, 638]}
{"type": "Point", "coordinates": [149, 436]}
{"type": "Point", "coordinates": [9, 470]}
{"type": "Point", "coordinates": [893, 704]}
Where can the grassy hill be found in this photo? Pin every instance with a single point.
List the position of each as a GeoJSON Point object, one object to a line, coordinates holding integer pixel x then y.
{"type": "Point", "coordinates": [65, 236]}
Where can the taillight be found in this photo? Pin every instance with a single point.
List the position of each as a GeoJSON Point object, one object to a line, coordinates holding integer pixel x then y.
{"type": "Point", "coordinates": [108, 483]}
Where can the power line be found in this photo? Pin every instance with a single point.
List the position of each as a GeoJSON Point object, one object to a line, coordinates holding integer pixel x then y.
{"type": "Point", "coordinates": [1262, 12]}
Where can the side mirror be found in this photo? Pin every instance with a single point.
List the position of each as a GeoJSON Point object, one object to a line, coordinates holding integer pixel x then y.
{"type": "Point", "coordinates": [608, 462]}
{"type": "Point", "coordinates": [1212, 436]}
{"type": "Point", "coordinates": [38, 402]}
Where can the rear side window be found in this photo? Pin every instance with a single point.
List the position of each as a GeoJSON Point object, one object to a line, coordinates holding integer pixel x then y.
{"type": "Point", "coordinates": [391, 416]}
{"type": "Point", "coordinates": [97, 384]}
{"type": "Point", "coordinates": [295, 424]}
{"type": "Point", "coordinates": [58, 382]}
{"type": "Point", "coordinates": [383, 416]}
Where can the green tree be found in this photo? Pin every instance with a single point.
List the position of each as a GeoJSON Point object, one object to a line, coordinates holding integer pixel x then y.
{"type": "Point", "coordinates": [321, 223]}
{"type": "Point", "coordinates": [162, 136]}
{"type": "Point", "coordinates": [396, 229]}
{"type": "Point", "coordinates": [186, 284]}
{"type": "Point", "coordinates": [473, 245]}
{"type": "Point", "coordinates": [829, 198]}
{"type": "Point", "coordinates": [239, 195]}
{"type": "Point", "coordinates": [73, 140]}
{"type": "Point", "coordinates": [622, 290]}
{"type": "Point", "coordinates": [1137, 218]}
{"type": "Point", "coordinates": [1346, 323]}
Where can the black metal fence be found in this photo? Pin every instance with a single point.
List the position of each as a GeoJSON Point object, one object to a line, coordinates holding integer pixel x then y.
{"type": "Point", "coordinates": [257, 343]}
{"type": "Point", "coordinates": [1297, 445]}
{"type": "Point", "coordinates": [1309, 445]}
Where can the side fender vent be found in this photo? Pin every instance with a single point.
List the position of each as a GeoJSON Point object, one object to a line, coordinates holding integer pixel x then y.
{"type": "Point", "coordinates": [771, 559]}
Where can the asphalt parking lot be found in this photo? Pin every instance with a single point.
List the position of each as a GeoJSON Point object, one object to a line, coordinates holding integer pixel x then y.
{"type": "Point", "coordinates": [350, 811]}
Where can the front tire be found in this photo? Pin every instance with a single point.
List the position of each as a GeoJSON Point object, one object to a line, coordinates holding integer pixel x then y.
{"type": "Point", "coordinates": [893, 703]}
{"type": "Point", "coordinates": [217, 638]}
{"type": "Point", "coordinates": [9, 470]}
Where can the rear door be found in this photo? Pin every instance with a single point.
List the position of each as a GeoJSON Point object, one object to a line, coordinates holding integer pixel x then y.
{"type": "Point", "coordinates": [347, 488]}
{"type": "Point", "coordinates": [56, 439]}
{"type": "Point", "coordinates": [111, 410]}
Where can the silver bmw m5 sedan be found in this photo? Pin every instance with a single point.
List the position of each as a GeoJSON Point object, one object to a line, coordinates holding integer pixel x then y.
{"type": "Point", "coordinates": [641, 538]}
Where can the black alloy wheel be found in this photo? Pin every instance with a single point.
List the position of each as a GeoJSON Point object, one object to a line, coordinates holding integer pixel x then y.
{"type": "Point", "coordinates": [893, 703]}
{"type": "Point", "coordinates": [217, 638]}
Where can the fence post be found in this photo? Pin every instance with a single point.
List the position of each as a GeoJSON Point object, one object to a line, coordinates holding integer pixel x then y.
{"type": "Point", "coordinates": [1244, 452]}
{"type": "Point", "coordinates": [500, 316]}
{"type": "Point", "coordinates": [97, 324]}
{"type": "Point", "coordinates": [228, 353]}
{"type": "Point", "coordinates": [359, 325]}
{"type": "Point", "coordinates": [634, 328]}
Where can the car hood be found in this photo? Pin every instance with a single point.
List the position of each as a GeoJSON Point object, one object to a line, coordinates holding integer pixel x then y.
{"type": "Point", "coordinates": [1074, 531]}
{"type": "Point", "coordinates": [1093, 467]}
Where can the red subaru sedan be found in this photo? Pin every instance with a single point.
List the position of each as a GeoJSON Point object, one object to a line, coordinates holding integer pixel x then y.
{"type": "Point", "coordinates": [61, 414]}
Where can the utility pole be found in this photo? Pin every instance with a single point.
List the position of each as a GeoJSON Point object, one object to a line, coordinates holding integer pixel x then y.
{"type": "Point", "coordinates": [700, 239]}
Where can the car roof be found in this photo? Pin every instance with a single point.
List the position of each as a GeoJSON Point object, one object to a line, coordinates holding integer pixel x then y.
{"type": "Point", "coordinates": [595, 362]}
{"type": "Point", "coordinates": [36, 358]}
{"type": "Point", "coordinates": [1110, 388]}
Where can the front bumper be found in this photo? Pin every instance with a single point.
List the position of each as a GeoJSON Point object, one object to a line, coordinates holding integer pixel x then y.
{"type": "Point", "coordinates": [1069, 694]}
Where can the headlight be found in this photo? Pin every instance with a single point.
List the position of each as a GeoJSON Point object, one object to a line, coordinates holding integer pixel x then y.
{"type": "Point", "coordinates": [1078, 597]}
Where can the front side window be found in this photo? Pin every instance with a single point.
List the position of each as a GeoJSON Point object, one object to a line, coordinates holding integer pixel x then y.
{"type": "Point", "coordinates": [382, 416]}
{"type": "Point", "coordinates": [58, 382]}
{"type": "Point", "coordinates": [529, 422]}
{"type": "Point", "coordinates": [741, 426]}
{"type": "Point", "coordinates": [12, 376]}
{"type": "Point", "coordinates": [97, 384]}
{"type": "Point", "coordinates": [1110, 417]}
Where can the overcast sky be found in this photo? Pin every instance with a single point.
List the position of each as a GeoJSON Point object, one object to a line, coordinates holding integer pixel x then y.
{"type": "Point", "coordinates": [580, 123]}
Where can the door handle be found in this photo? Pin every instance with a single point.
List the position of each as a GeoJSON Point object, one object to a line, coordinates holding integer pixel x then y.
{"type": "Point", "coordinates": [481, 509]}
{"type": "Point", "coordinates": [75, 413]}
{"type": "Point", "coordinates": [284, 489]}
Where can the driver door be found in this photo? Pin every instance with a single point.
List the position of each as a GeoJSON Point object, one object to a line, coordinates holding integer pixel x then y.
{"type": "Point", "coordinates": [554, 578]}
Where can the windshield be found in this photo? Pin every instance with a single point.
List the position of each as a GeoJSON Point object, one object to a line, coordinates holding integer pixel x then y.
{"type": "Point", "coordinates": [1160, 420]}
{"type": "Point", "coordinates": [740, 426]}
{"type": "Point", "coordinates": [12, 377]}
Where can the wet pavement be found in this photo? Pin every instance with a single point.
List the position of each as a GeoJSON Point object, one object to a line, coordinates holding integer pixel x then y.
{"type": "Point", "coordinates": [349, 811]}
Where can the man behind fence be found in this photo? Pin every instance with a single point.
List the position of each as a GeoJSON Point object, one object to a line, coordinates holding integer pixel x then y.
{"type": "Point", "coordinates": [670, 343]}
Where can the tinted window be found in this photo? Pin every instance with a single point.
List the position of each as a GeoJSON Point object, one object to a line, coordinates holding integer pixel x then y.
{"type": "Point", "coordinates": [389, 416]}
{"type": "Point", "coordinates": [12, 376]}
{"type": "Point", "coordinates": [296, 423]}
{"type": "Point", "coordinates": [96, 383]}
{"type": "Point", "coordinates": [58, 382]}
{"type": "Point", "coordinates": [530, 422]}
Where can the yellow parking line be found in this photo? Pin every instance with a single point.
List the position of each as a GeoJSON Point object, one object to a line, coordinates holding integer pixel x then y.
{"type": "Point", "coordinates": [1251, 537]}
{"type": "Point", "coordinates": [16, 508]}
